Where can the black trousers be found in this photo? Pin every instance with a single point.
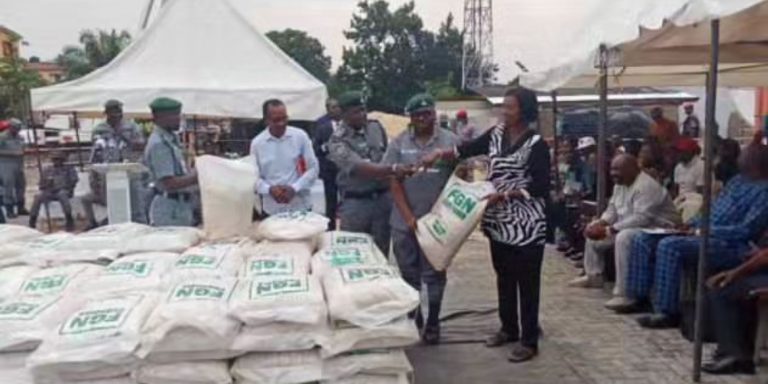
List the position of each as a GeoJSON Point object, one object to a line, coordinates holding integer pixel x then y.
{"type": "Point", "coordinates": [518, 281]}
{"type": "Point", "coordinates": [331, 201]}
{"type": "Point", "coordinates": [734, 316]}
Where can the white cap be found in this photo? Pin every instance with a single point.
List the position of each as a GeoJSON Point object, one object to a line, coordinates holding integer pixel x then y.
{"type": "Point", "coordinates": [586, 142]}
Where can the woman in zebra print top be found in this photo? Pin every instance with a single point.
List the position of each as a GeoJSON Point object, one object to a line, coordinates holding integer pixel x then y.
{"type": "Point", "coordinates": [514, 221]}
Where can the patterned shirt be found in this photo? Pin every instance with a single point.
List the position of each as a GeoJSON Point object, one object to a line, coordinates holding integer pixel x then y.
{"type": "Point", "coordinates": [740, 213]}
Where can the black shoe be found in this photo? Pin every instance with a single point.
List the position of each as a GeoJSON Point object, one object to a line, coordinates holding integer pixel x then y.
{"type": "Point", "coordinates": [729, 366]}
{"type": "Point", "coordinates": [70, 224]}
{"type": "Point", "coordinates": [500, 338]}
{"type": "Point", "coordinates": [521, 353]}
{"type": "Point", "coordinates": [658, 321]}
{"type": "Point", "coordinates": [10, 212]}
{"type": "Point", "coordinates": [632, 309]}
{"type": "Point", "coordinates": [431, 335]}
{"type": "Point", "coordinates": [21, 211]}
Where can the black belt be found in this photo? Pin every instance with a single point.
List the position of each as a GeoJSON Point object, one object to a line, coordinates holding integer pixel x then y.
{"type": "Point", "coordinates": [178, 196]}
{"type": "Point", "coordinates": [369, 195]}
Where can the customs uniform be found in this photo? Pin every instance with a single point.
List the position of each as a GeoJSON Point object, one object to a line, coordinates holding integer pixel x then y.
{"type": "Point", "coordinates": [12, 171]}
{"type": "Point", "coordinates": [57, 184]}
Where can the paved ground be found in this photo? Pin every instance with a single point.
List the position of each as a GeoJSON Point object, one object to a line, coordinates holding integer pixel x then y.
{"type": "Point", "coordinates": [582, 344]}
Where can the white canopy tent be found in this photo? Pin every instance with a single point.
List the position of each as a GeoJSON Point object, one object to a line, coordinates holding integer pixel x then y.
{"type": "Point", "coordinates": [203, 53]}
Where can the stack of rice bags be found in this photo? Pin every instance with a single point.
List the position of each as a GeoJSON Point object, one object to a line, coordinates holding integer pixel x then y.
{"type": "Point", "coordinates": [188, 336]}
{"type": "Point", "coordinates": [368, 303]}
{"type": "Point", "coordinates": [281, 304]}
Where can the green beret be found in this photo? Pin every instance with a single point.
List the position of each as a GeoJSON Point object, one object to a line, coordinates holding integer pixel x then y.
{"type": "Point", "coordinates": [165, 104]}
{"type": "Point", "coordinates": [351, 99]}
{"type": "Point", "coordinates": [420, 102]}
{"type": "Point", "coordinates": [113, 104]}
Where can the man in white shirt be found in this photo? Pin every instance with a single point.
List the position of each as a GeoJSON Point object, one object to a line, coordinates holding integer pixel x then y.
{"type": "Point", "coordinates": [689, 172]}
{"type": "Point", "coordinates": [286, 161]}
{"type": "Point", "coordinates": [638, 202]}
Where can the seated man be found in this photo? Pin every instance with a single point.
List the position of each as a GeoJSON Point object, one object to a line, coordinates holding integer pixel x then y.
{"type": "Point", "coordinates": [57, 183]}
{"type": "Point", "coordinates": [638, 202]}
{"type": "Point", "coordinates": [733, 314]}
{"type": "Point", "coordinates": [286, 162]}
{"type": "Point", "coordinates": [739, 217]}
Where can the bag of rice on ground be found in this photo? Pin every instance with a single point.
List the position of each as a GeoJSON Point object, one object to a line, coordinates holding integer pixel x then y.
{"type": "Point", "coordinates": [12, 278]}
{"type": "Point", "coordinates": [57, 281]}
{"type": "Point", "coordinates": [226, 191]}
{"type": "Point", "coordinates": [280, 337]}
{"type": "Point", "coordinates": [261, 265]}
{"type": "Point", "coordinates": [138, 272]}
{"type": "Point", "coordinates": [345, 337]}
{"type": "Point", "coordinates": [374, 362]}
{"type": "Point", "coordinates": [198, 372]}
{"type": "Point", "coordinates": [98, 340]}
{"type": "Point", "coordinates": [24, 320]}
{"type": "Point", "coordinates": [343, 239]}
{"type": "Point", "coordinates": [275, 299]}
{"type": "Point", "coordinates": [299, 251]}
{"type": "Point", "coordinates": [278, 368]}
{"type": "Point", "coordinates": [328, 259]}
{"type": "Point", "coordinates": [293, 226]}
{"type": "Point", "coordinates": [373, 379]}
{"type": "Point", "coordinates": [454, 216]}
{"type": "Point", "coordinates": [191, 317]}
{"type": "Point", "coordinates": [164, 239]}
{"type": "Point", "coordinates": [208, 260]}
{"type": "Point", "coordinates": [24, 252]}
{"type": "Point", "coordinates": [368, 296]}
{"type": "Point", "coordinates": [11, 232]}
{"type": "Point", "coordinates": [114, 237]}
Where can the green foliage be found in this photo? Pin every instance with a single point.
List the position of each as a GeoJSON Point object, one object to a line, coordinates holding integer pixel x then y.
{"type": "Point", "coordinates": [306, 50]}
{"type": "Point", "coordinates": [15, 83]}
{"type": "Point", "coordinates": [97, 49]}
{"type": "Point", "coordinates": [394, 57]}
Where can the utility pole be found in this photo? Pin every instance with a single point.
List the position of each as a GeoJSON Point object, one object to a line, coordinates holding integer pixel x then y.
{"type": "Point", "coordinates": [477, 61]}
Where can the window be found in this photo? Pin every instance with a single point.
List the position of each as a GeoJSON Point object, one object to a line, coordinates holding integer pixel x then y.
{"type": "Point", "coordinates": [8, 49]}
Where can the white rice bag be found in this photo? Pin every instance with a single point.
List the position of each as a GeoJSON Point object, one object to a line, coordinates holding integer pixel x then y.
{"type": "Point", "coordinates": [114, 237]}
{"type": "Point", "coordinates": [368, 296]}
{"type": "Point", "coordinates": [12, 278]}
{"type": "Point", "coordinates": [11, 232]}
{"type": "Point", "coordinates": [141, 271]}
{"type": "Point", "coordinates": [454, 216]}
{"type": "Point", "coordinates": [164, 239]}
{"type": "Point", "coordinates": [209, 260]}
{"type": "Point", "coordinates": [24, 251]}
{"type": "Point", "coordinates": [198, 372]}
{"type": "Point", "coordinates": [226, 192]}
{"type": "Point", "coordinates": [343, 239]}
{"type": "Point", "coordinates": [293, 225]}
{"type": "Point", "coordinates": [57, 281]}
{"type": "Point", "coordinates": [327, 259]}
{"type": "Point", "coordinates": [373, 379]}
{"type": "Point", "coordinates": [13, 368]}
{"type": "Point", "coordinates": [265, 300]}
{"type": "Point", "coordinates": [264, 264]}
{"type": "Point", "coordinates": [278, 368]}
{"type": "Point", "coordinates": [191, 317]}
{"type": "Point", "coordinates": [280, 337]}
{"type": "Point", "coordinates": [99, 340]}
{"type": "Point", "coordinates": [375, 362]}
{"type": "Point", "coordinates": [24, 320]}
{"type": "Point", "coordinates": [344, 337]}
{"type": "Point", "coordinates": [57, 258]}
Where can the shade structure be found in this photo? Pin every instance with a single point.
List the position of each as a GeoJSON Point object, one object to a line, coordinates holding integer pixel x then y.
{"type": "Point", "coordinates": [204, 53]}
{"type": "Point", "coordinates": [730, 75]}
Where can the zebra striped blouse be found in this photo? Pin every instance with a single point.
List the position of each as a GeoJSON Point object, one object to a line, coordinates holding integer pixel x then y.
{"type": "Point", "coordinates": [524, 165]}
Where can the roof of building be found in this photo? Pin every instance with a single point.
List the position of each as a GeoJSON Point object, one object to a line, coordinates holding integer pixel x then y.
{"type": "Point", "coordinates": [44, 67]}
{"type": "Point", "coordinates": [10, 32]}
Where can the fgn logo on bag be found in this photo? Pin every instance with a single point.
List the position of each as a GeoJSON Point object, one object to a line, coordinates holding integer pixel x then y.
{"type": "Point", "coordinates": [138, 268]}
{"type": "Point", "coordinates": [354, 275]}
{"type": "Point", "coordinates": [270, 267]}
{"type": "Point", "coordinates": [460, 203]}
{"type": "Point", "coordinates": [198, 292]}
{"type": "Point", "coordinates": [193, 261]}
{"type": "Point", "coordinates": [340, 257]}
{"type": "Point", "coordinates": [438, 230]}
{"type": "Point", "coordinates": [45, 284]}
{"type": "Point", "coordinates": [95, 320]}
{"type": "Point", "coordinates": [278, 287]}
{"type": "Point", "coordinates": [350, 240]}
{"type": "Point", "coordinates": [20, 310]}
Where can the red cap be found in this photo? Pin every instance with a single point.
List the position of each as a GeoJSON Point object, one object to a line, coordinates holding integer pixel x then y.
{"type": "Point", "coordinates": [462, 114]}
{"type": "Point", "coordinates": [686, 144]}
{"type": "Point", "coordinates": [4, 124]}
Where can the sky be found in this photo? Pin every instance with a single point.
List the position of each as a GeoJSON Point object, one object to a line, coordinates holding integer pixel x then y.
{"type": "Point", "coordinates": [533, 32]}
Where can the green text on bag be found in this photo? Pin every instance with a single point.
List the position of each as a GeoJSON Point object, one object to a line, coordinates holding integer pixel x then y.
{"type": "Point", "coordinates": [353, 275]}
{"type": "Point", "coordinates": [138, 268]}
{"type": "Point", "coordinates": [460, 203]}
{"type": "Point", "coordinates": [198, 292]}
{"type": "Point", "coordinates": [278, 287]}
{"type": "Point", "coordinates": [94, 320]}
{"type": "Point", "coordinates": [199, 262]}
{"type": "Point", "coordinates": [270, 267]}
{"type": "Point", "coordinates": [45, 284]}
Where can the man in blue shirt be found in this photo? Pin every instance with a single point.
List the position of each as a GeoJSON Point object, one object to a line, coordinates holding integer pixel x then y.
{"type": "Point", "coordinates": [286, 161]}
{"type": "Point", "coordinates": [739, 218]}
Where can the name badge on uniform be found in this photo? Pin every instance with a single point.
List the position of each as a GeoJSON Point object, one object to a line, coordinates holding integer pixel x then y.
{"type": "Point", "coordinates": [410, 151]}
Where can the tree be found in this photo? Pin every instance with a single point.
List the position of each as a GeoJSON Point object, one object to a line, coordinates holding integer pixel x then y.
{"type": "Point", "coordinates": [444, 58]}
{"type": "Point", "coordinates": [387, 60]}
{"type": "Point", "coordinates": [306, 50]}
{"type": "Point", "coordinates": [97, 49]}
{"type": "Point", "coordinates": [15, 83]}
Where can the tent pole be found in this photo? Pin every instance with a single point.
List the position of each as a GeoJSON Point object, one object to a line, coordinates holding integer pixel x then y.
{"type": "Point", "coordinates": [40, 165]}
{"type": "Point", "coordinates": [555, 141]}
{"type": "Point", "coordinates": [77, 137]}
{"type": "Point", "coordinates": [602, 132]}
{"type": "Point", "coordinates": [706, 206]}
